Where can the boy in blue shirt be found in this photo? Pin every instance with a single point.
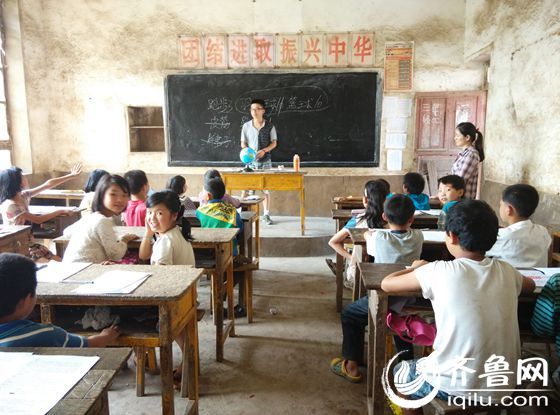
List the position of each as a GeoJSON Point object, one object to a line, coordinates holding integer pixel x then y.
{"type": "Point", "coordinates": [18, 282]}
{"type": "Point", "coordinates": [413, 186]}
{"type": "Point", "coordinates": [451, 190]}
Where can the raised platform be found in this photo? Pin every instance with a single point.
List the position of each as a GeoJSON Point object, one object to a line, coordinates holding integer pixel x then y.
{"type": "Point", "coordinates": [283, 238]}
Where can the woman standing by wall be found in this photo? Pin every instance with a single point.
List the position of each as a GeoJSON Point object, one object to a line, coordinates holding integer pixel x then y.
{"type": "Point", "coordinates": [467, 163]}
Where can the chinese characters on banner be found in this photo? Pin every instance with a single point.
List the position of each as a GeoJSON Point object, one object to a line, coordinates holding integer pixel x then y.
{"type": "Point", "coordinates": [287, 51]}
{"type": "Point", "coordinates": [263, 51]}
{"type": "Point", "coordinates": [215, 52]}
{"type": "Point", "coordinates": [239, 51]}
{"type": "Point", "coordinates": [398, 66]}
{"type": "Point", "coordinates": [281, 50]}
{"type": "Point", "coordinates": [190, 51]}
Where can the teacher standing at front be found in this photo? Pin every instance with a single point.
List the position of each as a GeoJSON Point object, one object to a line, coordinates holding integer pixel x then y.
{"type": "Point", "coordinates": [466, 165]}
{"type": "Point", "coordinates": [260, 135]}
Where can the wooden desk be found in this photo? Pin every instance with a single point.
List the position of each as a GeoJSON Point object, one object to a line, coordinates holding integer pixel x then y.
{"type": "Point", "coordinates": [15, 239]}
{"type": "Point", "coordinates": [431, 250]}
{"type": "Point", "coordinates": [61, 194]}
{"type": "Point", "coordinates": [372, 275]}
{"type": "Point", "coordinates": [221, 242]}
{"type": "Point", "coordinates": [348, 202]}
{"type": "Point", "coordinates": [342, 216]}
{"type": "Point", "coordinates": [421, 221]}
{"type": "Point", "coordinates": [356, 202]}
{"type": "Point", "coordinates": [89, 395]}
{"type": "Point", "coordinates": [170, 288]}
{"type": "Point", "coordinates": [249, 218]}
{"type": "Point", "coordinates": [269, 180]}
{"type": "Point", "coordinates": [54, 227]}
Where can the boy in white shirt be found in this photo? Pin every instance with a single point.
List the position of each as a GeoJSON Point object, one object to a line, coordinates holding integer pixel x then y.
{"type": "Point", "coordinates": [475, 304]}
{"type": "Point", "coordinates": [523, 243]}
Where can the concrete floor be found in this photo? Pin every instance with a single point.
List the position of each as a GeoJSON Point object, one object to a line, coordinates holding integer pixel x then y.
{"type": "Point", "coordinates": [277, 365]}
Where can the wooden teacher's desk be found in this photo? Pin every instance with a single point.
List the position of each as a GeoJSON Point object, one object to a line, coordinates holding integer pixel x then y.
{"type": "Point", "coordinates": [172, 289]}
{"type": "Point", "coordinates": [221, 242]}
{"type": "Point", "coordinates": [268, 180]}
{"type": "Point", "coordinates": [89, 396]}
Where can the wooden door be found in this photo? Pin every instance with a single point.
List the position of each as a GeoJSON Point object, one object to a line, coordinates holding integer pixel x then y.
{"type": "Point", "coordinates": [437, 115]}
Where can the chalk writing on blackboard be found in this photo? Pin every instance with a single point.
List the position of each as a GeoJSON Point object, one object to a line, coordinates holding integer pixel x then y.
{"type": "Point", "coordinates": [289, 99]}
{"type": "Point", "coordinates": [220, 104]}
{"type": "Point", "coordinates": [219, 122]}
{"type": "Point", "coordinates": [216, 140]}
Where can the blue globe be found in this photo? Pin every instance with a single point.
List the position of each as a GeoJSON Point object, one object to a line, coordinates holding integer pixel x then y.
{"type": "Point", "coordinates": [247, 155]}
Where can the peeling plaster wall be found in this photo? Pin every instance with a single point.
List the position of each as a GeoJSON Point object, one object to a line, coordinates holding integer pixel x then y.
{"type": "Point", "coordinates": [522, 121]}
{"type": "Point", "coordinates": [85, 61]}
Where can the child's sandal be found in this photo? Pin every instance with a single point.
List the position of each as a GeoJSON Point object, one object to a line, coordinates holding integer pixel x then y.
{"type": "Point", "coordinates": [338, 367]}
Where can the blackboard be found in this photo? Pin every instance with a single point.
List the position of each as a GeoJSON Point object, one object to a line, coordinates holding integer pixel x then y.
{"type": "Point", "coordinates": [329, 119]}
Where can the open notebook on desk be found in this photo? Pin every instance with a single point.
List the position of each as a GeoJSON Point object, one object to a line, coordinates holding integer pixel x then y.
{"type": "Point", "coordinates": [112, 282]}
{"type": "Point", "coordinates": [54, 271]}
{"type": "Point", "coordinates": [539, 275]}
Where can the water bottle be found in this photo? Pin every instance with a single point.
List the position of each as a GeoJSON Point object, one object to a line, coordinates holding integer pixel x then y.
{"type": "Point", "coordinates": [296, 162]}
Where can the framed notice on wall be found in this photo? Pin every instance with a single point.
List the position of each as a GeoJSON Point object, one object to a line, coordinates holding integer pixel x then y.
{"type": "Point", "coordinates": [399, 66]}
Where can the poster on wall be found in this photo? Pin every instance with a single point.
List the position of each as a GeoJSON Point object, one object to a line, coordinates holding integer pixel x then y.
{"type": "Point", "coordinates": [399, 66]}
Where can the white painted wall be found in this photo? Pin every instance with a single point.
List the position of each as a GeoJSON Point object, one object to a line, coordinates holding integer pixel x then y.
{"type": "Point", "coordinates": [522, 121]}
{"type": "Point", "coordinates": [85, 61]}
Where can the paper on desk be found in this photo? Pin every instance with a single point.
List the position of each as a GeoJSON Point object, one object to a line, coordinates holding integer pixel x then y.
{"type": "Point", "coordinates": [538, 276]}
{"type": "Point", "coordinates": [549, 272]}
{"type": "Point", "coordinates": [114, 282]}
{"type": "Point", "coordinates": [431, 212]}
{"type": "Point", "coordinates": [38, 382]}
{"type": "Point", "coordinates": [58, 271]}
{"type": "Point", "coordinates": [434, 236]}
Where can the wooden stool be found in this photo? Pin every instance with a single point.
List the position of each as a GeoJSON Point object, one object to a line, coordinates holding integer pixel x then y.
{"type": "Point", "coordinates": [247, 270]}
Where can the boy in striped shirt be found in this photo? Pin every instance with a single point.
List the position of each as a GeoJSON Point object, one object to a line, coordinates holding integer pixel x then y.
{"type": "Point", "coordinates": [18, 282]}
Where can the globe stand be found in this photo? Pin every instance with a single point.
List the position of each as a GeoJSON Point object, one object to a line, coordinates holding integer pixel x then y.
{"type": "Point", "coordinates": [247, 169]}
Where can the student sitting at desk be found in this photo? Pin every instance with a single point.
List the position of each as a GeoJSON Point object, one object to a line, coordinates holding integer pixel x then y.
{"type": "Point", "coordinates": [451, 189]}
{"type": "Point", "coordinates": [18, 282]}
{"type": "Point", "coordinates": [523, 243]}
{"type": "Point", "coordinates": [178, 184]}
{"type": "Point", "coordinates": [474, 299]}
{"type": "Point", "coordinates": [399, 245]}
{"type": "Point", "coordinates": [135, 213]}
{"type": "Point", "coordinates": [93, 238]}
{"type": "Point", "coordinates": [89, 190]}
{"type": "Point", "coordinates": [172, 245]}
{"type": "Point", "coordinates": [375, 192]}
{"type": "Point", "coordinates": [219, 214]}
{"type": "Point", "coordinates": [203, 195]}
{"type": "Point", "coordinates": [413, 186]}
{"type": "Point", "coordinates": [14, 204]}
